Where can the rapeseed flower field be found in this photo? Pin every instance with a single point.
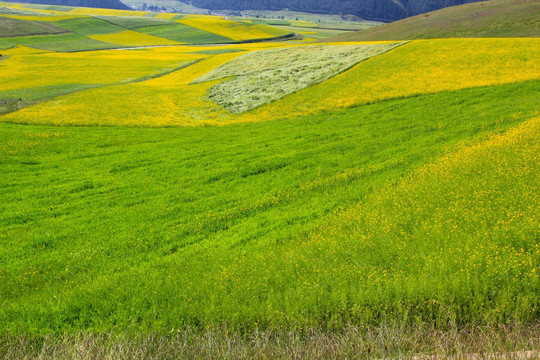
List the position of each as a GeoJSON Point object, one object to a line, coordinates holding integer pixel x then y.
{"type": "Point", "coordinates": [106, 12]}
{"type": "Point", "coordinates": [419, 67]}
{"type": "Point", "coordinates": [28, 68]}
{"type": "Point", "coordinates": [51, 18]}
{"type": "Point", "coordinates": [231, 29]}
{"type": "Point", "coordinates": [398, 73]}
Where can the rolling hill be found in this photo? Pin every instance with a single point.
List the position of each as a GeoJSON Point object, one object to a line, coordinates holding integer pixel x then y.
{"type": "Point", "coordinates": [495, 18]}
{"type": "Point", "coordinates": [165, 195]}
{"type": "Point", "coordinates": [70, 29]}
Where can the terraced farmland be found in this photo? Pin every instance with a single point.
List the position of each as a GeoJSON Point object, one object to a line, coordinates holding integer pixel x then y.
{"type": "Point", "coordinates": [274, 199]}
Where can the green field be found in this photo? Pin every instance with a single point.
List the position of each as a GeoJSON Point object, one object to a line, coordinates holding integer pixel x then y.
{"type": "Point", "coordinates": [266, 200]}
{"type": "Point", "coordinates": [183, 33]}
{"type": "Point", "coordinates": [65, 42]}
{"type": "Point", "coordinates": [91, 216]}
{"type": "Point", "coordinates": [89, 26]}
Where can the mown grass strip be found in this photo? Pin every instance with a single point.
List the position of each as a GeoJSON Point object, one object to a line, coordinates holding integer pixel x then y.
{"type": "Point", "coordinates": [261, 77]}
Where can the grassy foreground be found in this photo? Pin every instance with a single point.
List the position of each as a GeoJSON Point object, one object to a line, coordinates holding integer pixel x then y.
{"type": "Point", "coordinates": [154, 229]}
{"type": "Point", "coordinates": [390, 341]}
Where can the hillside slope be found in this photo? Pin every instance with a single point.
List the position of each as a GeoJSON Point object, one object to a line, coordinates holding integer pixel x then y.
{"type": "Point", "coordinates": [383, 10]}
{"type": "Point", "coordinates": [496, 18]}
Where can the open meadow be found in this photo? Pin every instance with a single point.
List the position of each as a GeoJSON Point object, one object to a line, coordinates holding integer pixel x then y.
{"type": "Point", "coordinates": [177, 190]}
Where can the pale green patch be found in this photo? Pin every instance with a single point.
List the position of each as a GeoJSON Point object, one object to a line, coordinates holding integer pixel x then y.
{"type": "Point", "coordinates": [263, 76]}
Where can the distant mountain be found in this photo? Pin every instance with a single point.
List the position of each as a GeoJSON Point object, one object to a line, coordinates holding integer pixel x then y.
{"type": "Point", "coordinates": [106, 4]}
{"type": "Point", "coordinates": [382, 10]}
{"type": "Point", "coordinates": [495, 18]}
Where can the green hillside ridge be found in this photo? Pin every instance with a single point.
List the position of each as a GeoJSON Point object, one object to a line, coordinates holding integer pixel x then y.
{"type": "Point", "coordinates": [494, 18]}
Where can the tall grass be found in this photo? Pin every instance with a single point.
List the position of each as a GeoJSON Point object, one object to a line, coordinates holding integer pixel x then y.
{"type": "Point", "coordinates": [420, 342]}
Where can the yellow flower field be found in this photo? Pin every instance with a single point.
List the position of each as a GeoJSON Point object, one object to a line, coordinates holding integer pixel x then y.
{"type": "Point", "coordinates": [471, 182]}
{"type": "Point", "coordinates": [163, 101]}
{"type": "Point", "coordinates": [24, 7]}
{"type": "Point", "coordinates": [32, 68]}
{"type": "Point", "coordinates": [419, 67]}
{"type": "Point", "coordinates": [106, 12]}
{"type": "Point", "coordinates": [303, 23]}
{"type": "Point", "coordinates": [133, 38]}
{"type": "Point", "coordinates": [187, 75]}
{"type": "Point", "coordinates": [231, 29]}
{"type": "Point", "coordinates": [22, 50]}
{"type": "Point", "coordinates": [48, 18]}
{"type": "Point", "coordinates": [167, 16]}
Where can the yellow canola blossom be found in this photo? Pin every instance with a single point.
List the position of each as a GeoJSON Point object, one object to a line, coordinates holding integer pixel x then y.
{"type": "Point", "coordinates": [231, 29]}
{"type": "Point", "coordinates": [187, 75]}
{"type": "Point", "coordinates": [29, 69]}
{"type": "Point", "coordinates": [261, 45]}
{"type": "Point", "coordinates": [471, 174]}
{"type": "Point", "coordinates": [419, 67]}
{"type": "Point", "coordinates": [133, 38]}
{"type": "Point", "coordinates": [24, 7]}
{"type": "Point", "coordinates": [126, 105]}
{"type": "Point", "coordinates": [451, 201]}
{"type": "Point", "coordinates": [49, 18]}
{"type": "Point", "coordinates": [167, 16]}
{"type": "Point", "coordinates": [303, 23]}
{"type": "Point", "coordinates": [20, 50]}
{"type": "Point", "coordinates": [163, 101]}
{"type": "Point", "coordinates": [106, 12]}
